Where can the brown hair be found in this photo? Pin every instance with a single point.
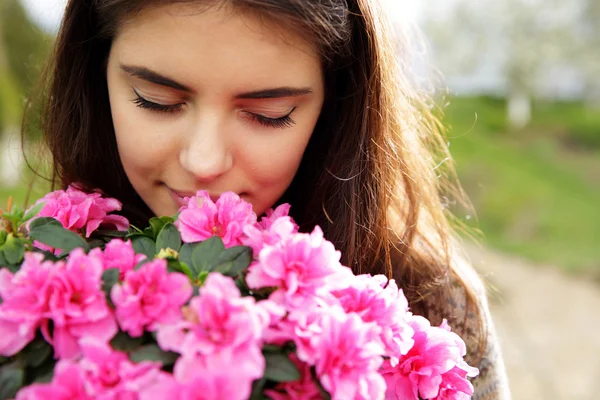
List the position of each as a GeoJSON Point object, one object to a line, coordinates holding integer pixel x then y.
{"type": "Point", "coordinates": [369, 176]}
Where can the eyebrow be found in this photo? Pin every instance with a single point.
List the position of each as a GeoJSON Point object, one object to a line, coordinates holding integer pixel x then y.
{"type": "Point", "coordinates": [158, 79]}
{"type": "Point", "coordinates": [275, 93]}
{"type": "Point", "coordinates": [153, 77]}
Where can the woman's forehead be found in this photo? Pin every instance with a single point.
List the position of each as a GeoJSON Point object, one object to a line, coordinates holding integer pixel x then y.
{"type": "Point", "coordinates": [214, 45]}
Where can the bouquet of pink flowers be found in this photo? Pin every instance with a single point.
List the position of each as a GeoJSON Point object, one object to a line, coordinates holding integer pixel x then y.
{"type": "Point", "coordinates": [209, 304]}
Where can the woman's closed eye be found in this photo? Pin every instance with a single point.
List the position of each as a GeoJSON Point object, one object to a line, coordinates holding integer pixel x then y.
{"type": "Point", "coordinates": [282, 122]}
{"type": "Point", "coordinates": [141, 102]}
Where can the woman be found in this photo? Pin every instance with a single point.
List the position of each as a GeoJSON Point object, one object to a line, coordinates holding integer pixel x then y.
{"type": "Point", "coordinates": [297, 101]}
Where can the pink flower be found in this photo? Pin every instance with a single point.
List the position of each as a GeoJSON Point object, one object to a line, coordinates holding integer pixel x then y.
{"type": "Point", "coordinates": [302, 326]}
{"type": "Point", "coordinates": [101, 374]}
{"type": "Point", "coordinates": [221, 330]}
{"type": "Point", "coordinates": [24, 300]}
{"type": "Point", "coordinates": [218, 320]}
{"type": "Point", "coordinates": [302, 266]}
{"type": "Point", "coordinates": [349, 356]}
{"type": "Point", "coordinates": [109, 374]}
{"type": "Point", "coordinates": [68, 384]}
{"type": "Point", "coordinates": [303, 389]}
{"type": "Point", "coordinates": [455, 385]}
{"type": "Point", "coordinates": [76, 210]}
{"type": "Point", "coordinates": [202, 219]}
{"type": "Point", "coordinates": [164, 387]}
{"type": "Point", "coordinates": [118, 254]}
{"type": "Point", "coordinates": [399, 386]}
{"type": "Point", "coordinates": [150, 296]}
{"type": "Point", "coordinates": [271, 216]}
{"type": "Point", "coordinates": [77, 305]}
{"type": "Point", "coordinates": [378, 300]}
{"type": "Point", "coordinates": [435, 352]}
{"type": "Point", "coordinates": [211, 381]}
{"type": "Point", "coordinates": [226, 375]}
{"type": "Point", "coordinates": [277, 231]}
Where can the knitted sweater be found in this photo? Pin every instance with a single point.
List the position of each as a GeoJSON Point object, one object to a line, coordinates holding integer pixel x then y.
{"type": "Point", "coordinates": [491, 383]}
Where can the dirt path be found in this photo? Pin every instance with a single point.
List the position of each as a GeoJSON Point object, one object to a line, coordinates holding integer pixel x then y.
{"type": "Point", "coordinates": [549, 325]}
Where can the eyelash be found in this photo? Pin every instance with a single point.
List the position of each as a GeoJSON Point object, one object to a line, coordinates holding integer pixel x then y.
{"type": "Point", "coordinates": [149, 105]}
{"type": "Point", "coordinates": [282, 122]}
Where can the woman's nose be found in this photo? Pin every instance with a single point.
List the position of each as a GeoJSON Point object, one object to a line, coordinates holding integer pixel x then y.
{"type": "Point", "coordinates": [206, 153]}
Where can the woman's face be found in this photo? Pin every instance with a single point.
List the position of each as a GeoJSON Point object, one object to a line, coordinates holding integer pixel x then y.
{"type": "Point", "coordinates": [211, 100]}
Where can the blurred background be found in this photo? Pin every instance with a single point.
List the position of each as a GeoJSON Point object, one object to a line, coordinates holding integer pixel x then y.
{"type": "Point", "coordinates": [522, 104]}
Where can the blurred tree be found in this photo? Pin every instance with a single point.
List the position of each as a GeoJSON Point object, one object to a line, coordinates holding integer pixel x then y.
{"type": "Point", "coordinates": [23, 47]}
{"type": "Point", "coordinates": [10, 110]}
{"type": "Point", "coordinates": [10, 89]}
{"type": "Point", "coordinates": [589, 50]}
{"type": "Point", "coordinates": [523, 41]}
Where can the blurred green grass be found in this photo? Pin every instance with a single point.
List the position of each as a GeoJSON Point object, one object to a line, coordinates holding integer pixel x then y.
{"type": "Point", "coordinates": [19, 193]}
{"type": "Point", "coordinates": [537, 190]}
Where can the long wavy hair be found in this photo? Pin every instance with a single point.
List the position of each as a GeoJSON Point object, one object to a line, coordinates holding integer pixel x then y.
{"type": "Point", "coordinates": [370, 176]}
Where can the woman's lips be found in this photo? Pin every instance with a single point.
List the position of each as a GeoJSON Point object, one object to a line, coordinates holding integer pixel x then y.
{"type": "Point", "coordinates": [178, 197]}
{"type": "Point", "coordinates": [181, 197]}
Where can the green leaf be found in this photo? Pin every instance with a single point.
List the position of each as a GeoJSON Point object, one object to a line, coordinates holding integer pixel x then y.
{"type": "Point", "coordinates": [241, 284]}
{"type": "Point", "coordinates": [133, 230]}
{"type": "Point", "coordinates": [124, 342]}
{"type": "Point", "coordinates": [11, 380]}
{"type": "Point", "coordinates": [156, 225]}
{"type": "Point", "coordinates": [45, 373]}
{"type": "Point", "coordinates": [43, 221]}
{"type": "Point", "coordinates": [202, 278]}
{"type": "Point", "coordinates": [58, 237]}
{"type": "Point", "coordinates": [35, 353]}
{"type": "Point", "coordinates": [149, 232]}
{"type": "Point", "coordinates": [14, 268]}
{"type": "Point", "coordinates": [185, 253]}
{"type": "Point", "coordinates": [144, 245]}
{"type": "Point", "coordinates": [280, 368]}
{"type": "Point", "coordinates": [131, 235]}
{"type": "Point", "coordinates": [93, 243]}
{"type": "Point", "coordinates": [167, 219]}
{"type": "Point", "coordinates": [109, 278]}
{"type": "Point", "coordinates": [3, 262]}
{"type": "Point", "coordinates": [173, 266]}
{"type": "Point", "coordinates": [152, 352]}
{"type": "Point", "coordinates": [109, 233]}
{"type": "Point", "coordinates": [271, 348]}
{"type": "Point", "coordinates": [315, 378]}
{"type": "Point", "coordinates": [186, 270]}
{"type": "Point", "coordinates": [206, 253]}
{"type": "Point", "coordinates": [232, 261]}
{"type": "Point", "coordinates": [139, 264]}
{"type": "Point", "coordinates": [33, 211]}
{"type": "Point", "coordinates": [13, 249]}
{"type": "Point", "coordinates": [49, 256]}
{"type": "Point", "coordinates": [3, 236]}
{"type": "Point", "coordinates": [257, 389]}
{"type": "Point", "coordinates": [168, 238]}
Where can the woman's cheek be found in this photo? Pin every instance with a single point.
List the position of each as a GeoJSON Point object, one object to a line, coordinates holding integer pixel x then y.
{"type": "Point", "coordinates": [144, 143]}
{"type": "Point", "coordinates": [273, 160]}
